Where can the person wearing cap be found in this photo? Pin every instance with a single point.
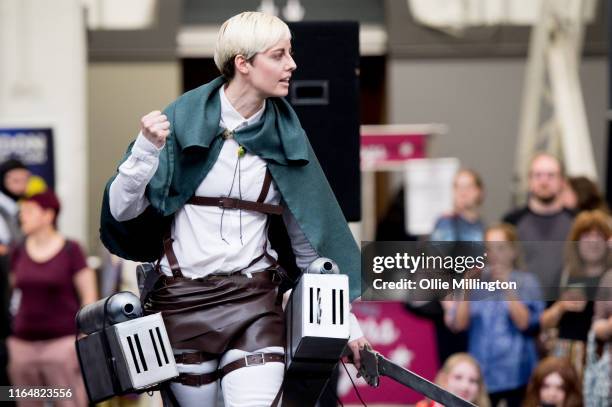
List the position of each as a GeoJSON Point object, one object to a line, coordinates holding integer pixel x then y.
{"type": "Point", "coordinates": [205, 177]}
{"type": "Point", "coordinates": [51, 281]}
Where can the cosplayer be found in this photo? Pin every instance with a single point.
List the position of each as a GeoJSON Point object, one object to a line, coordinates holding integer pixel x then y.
{"type": "Point", "coordinates": [204, 177]}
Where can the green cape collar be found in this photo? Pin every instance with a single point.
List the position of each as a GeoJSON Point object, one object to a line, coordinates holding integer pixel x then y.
{"type": "Point", "coordinates": [278, 136]}
{"type": "Point", "coordinates": [190, 152]}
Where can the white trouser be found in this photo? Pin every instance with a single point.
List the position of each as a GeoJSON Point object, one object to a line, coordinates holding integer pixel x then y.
{"type": "Point", "coordinates": [252, 386]}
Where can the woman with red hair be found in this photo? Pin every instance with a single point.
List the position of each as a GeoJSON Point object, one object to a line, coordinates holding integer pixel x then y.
{"type": "Point", "coordinates": [587, 260]}
{"type": "Point", "coordinates": [554, 383]}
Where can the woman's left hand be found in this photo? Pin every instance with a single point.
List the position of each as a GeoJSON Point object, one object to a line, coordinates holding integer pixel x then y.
{"type": "Point", "coordinates": [355, 346]}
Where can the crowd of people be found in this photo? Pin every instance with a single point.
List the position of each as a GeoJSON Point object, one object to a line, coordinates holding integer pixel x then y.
{"type": "Point", "coordinates": [546, 343]}
{"type": "Point", "coordinates": [518, 348]}
{"type": "Point", "coordinates": [521, 348]}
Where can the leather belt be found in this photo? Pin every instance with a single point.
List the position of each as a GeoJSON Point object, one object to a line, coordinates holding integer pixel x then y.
{"type": "Point", "coordinates": [266, 275]}
{"type": "Point", "coordinates": [254, 359]}
{"type": "Point", "coordinates": [193, 358]}
{"type": "Point", "coordinates": [235, 203]}
{"type": "Point", "coordinates": [197, 380]}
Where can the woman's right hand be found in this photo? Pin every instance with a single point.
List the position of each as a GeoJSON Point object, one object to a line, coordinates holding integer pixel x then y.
{"type": "Point", "coordinates": [155, 127]}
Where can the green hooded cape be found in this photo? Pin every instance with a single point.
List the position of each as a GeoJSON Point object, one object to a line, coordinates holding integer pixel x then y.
{"type": "Point", "coordinates": [192, 149]}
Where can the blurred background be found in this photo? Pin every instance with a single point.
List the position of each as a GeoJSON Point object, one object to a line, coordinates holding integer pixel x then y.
{"type": "Point", "coordinates": [396, 96]}
{"type": "Point", "coordinates": [89, 69]}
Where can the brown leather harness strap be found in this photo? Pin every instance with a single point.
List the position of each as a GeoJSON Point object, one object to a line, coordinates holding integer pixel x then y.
{"type": "Point", "coordinates": [254, 359]}
{"type": "Point", "coordinates": [265, 187]}
{"type": "Point", "coordinates": [196, 380]}
{"type": "Point", "coordinates": [193, 358]}
{"type": "Point", "coordinates": [172, 260]}
{"type": "Point", "coordinates": [228, 203]}
{"type": "Point", "coordinates": [235, 203]}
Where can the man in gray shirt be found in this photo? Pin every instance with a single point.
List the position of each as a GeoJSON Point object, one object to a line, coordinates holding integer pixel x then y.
{"type": "Point", "coordinates": [544, 224]}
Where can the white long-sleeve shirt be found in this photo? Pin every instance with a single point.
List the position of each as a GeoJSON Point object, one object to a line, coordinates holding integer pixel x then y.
{"type": "Point", "coordinates": [206, 238]}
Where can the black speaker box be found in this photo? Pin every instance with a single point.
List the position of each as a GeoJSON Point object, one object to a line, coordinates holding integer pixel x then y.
{"type": "Point", "coordinates": [324, 92]}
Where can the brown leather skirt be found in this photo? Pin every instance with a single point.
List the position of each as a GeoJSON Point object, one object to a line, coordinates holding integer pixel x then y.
{"type": "Point", "coordinates": [217, 313]}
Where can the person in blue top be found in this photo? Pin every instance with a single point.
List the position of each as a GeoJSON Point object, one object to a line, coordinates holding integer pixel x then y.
{"type": "Point", "coordinates": [502, 324]}
{"type": "Point", "coordinates": [464, 223]}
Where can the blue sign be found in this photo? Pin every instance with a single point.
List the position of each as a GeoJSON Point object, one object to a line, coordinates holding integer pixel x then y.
{"type": "Point", "coordinates": [33, 146]}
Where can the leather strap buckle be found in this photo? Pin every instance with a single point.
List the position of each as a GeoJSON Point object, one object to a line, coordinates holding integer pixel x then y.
{"type": "Point", "coordinates": [254, 359]}
{"type": "Point", "coordinates": [228, 203]}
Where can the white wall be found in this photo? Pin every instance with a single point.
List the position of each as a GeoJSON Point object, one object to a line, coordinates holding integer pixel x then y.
{"type": "Point", "coordinates": [119, 94]}
{"type": "Point", "coordinates": [42, 80]}
{"type": "Point", "coordinates": [480, 101]}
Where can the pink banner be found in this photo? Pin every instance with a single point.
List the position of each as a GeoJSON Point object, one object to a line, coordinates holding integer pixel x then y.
{"type": "Point", "coordinates": [386, 148]}
{"type": "Point", "coordinates": [402, 338]}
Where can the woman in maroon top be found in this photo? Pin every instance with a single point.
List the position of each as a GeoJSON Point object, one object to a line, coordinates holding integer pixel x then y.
{"type": "Point", "coordinates": [52, 280]}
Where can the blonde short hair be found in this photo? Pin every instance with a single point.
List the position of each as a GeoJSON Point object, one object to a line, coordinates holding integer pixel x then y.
{"type": "Point", "coordinates": [247, 34]}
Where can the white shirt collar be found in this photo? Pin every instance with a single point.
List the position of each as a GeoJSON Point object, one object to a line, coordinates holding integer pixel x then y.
{"type": "Point", "coordinates": [230, 118]}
